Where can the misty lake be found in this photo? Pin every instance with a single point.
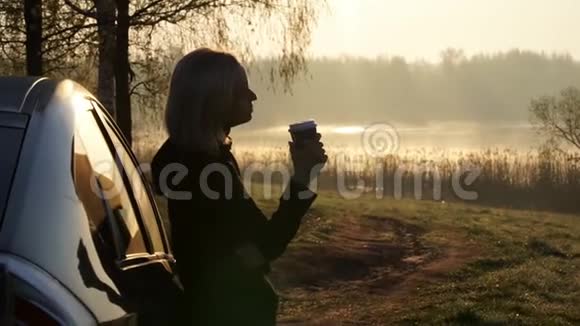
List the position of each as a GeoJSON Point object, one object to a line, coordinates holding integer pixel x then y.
{"type": "Point", "coordinates": [434, 135]}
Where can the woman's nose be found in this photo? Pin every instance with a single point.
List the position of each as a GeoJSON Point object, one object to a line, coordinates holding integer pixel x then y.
{"type": "Point", "coordinates": [253, 96]}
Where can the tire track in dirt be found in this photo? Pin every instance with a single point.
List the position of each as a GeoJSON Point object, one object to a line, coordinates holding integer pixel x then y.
{"type": "Point", "coordinates": [374, 255]}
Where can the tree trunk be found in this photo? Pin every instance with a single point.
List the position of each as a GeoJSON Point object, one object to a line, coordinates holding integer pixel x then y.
{"type": "Point", "coordinates": [33, 21]}
{"type": "Point", "coordinates": [122, 70]}
{"type": "Point", "coordinates": [106, 31]}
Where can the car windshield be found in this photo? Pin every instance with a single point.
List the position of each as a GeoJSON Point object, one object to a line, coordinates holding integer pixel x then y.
{"type": "Point", "coordinates": [10, 139]}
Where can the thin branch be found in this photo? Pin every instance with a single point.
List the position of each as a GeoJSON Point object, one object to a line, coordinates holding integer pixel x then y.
{"type": "Point", "coordinates": [3, 42]}
{"type": "Point", "coordinates": [564, 134]}
{"type": "Point", "coordinates": [13, 28]}
{"type": "Point", "coordinates": [74, 29]}
{"type": "Point", "coordinates": [8, 56]}
{"type": "Point", "coordinates": [87, 13]}
{"type": "Point", "coordinates": [133, 89]}
{"type": "Point", "coordinates": [143, 10]}
{"type": "Point", "coordinates": [71, 44]}
{"type": "Point", "coordinates": [170, 16]}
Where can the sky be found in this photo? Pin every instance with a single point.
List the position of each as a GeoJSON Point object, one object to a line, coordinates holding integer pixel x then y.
{"type": "Point", "coordinates": [422, 29]}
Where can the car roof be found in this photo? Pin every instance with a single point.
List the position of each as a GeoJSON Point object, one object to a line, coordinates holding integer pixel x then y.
{"type": "Point", "coordinates": [13, 93]}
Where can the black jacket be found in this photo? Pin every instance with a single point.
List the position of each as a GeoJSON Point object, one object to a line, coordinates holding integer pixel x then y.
{"type": "Point", "coordinates": [207, 233]}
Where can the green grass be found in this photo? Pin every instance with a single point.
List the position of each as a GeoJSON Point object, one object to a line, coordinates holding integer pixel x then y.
{"type": "Point", "coordinates": [429, 263]}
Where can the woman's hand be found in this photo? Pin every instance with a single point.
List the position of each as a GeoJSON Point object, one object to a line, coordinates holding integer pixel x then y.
{"type": "Point", "coordinates": [308, 159]}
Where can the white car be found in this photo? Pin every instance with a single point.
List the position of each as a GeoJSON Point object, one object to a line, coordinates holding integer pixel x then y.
{"type": "Point", "coordinates": [81, 239]}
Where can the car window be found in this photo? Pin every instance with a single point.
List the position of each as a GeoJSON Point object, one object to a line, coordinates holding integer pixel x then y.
{"type": "Point", "coordinates": [10, 140]}
{"type": "Point", "coordinates": [140, 192]}
{"type": "Point", "coordinates": [96, 169]}
{"type": "Point", "coordinates": [94, 205]}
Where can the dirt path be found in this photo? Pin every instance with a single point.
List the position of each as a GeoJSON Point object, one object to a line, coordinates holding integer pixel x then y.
{"type": "Point", "coordinates": [349, 271]}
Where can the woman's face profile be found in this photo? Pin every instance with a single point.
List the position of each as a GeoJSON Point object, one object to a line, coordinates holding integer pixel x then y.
{"type": "Point", "coordinates": [243, 97]}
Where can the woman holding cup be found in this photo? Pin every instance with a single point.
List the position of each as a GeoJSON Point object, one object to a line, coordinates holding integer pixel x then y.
{"type": "Point", "coordinates": [222, 241]}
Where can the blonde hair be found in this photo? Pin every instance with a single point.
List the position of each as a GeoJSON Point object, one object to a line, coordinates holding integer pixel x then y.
{"type": "Point", "coordinates": [201, 92]}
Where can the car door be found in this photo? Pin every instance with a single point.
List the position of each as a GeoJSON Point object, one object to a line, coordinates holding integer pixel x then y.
{"type": "Point", "coordinates": [131, 242]}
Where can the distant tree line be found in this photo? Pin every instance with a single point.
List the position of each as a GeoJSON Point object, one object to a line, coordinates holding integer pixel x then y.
{"type": "Point", "coordinates": [487, 88]}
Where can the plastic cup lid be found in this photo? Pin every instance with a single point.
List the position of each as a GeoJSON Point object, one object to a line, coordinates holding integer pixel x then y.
{"type": "Point", "coordinates": [302, 125]}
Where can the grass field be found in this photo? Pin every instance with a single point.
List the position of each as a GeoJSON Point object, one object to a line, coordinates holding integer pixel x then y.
{"type": "Point", "coordinates": [379, 262]}
{"type": "Point", "coordinates": [382, 262]}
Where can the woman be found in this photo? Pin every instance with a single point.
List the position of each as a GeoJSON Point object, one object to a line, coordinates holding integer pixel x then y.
{"type": "Point", "coordinates": [223, 243]}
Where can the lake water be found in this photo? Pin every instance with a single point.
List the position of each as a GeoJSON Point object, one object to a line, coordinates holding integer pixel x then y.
{"type": "Point", "coordinates": [447, 135]}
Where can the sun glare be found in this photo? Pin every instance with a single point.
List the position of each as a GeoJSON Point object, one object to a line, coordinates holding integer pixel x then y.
{"type": "Point", "coordinates": [349, 130]}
